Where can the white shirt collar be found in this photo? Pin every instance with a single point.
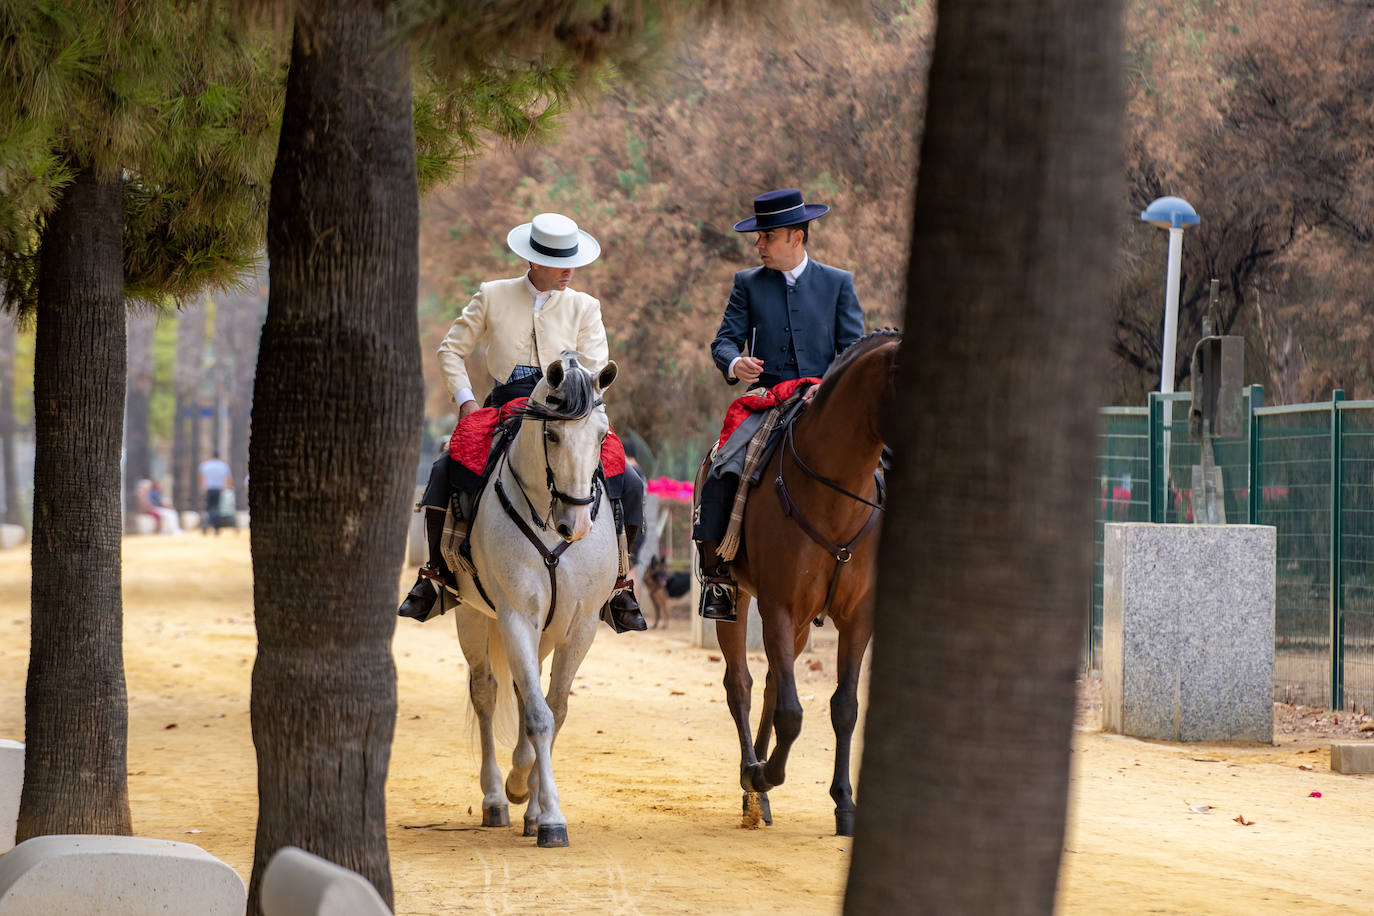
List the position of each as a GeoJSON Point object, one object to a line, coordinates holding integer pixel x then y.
{"type": "Point", "coordinates": [796, 272]}
{"type": "Point", "coordinates": [537, 296]}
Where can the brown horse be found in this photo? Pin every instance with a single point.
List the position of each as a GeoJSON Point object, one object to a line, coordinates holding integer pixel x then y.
{"type": "Point", "coordinates": [809, 550]}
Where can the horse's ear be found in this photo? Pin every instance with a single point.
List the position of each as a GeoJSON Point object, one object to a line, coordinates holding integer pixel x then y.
{"type": "Point", "coordinates": [603, 381]}
{"type": "Point", "coordinates": [554, 374]}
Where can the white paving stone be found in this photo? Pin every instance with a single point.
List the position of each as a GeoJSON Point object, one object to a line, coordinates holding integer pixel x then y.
{"type": "Point", "coordinates": [298, 883]}
{"type": "Point", "coordinates": [11, 783]}
{"type": "Point", "coordinates": [11, 536]}
{"type": "Point", "coordinates": [81, 875]}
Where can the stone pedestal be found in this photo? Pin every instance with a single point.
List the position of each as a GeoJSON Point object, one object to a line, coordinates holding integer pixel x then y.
{"type": "Point", "coordinates": [1188, 631]}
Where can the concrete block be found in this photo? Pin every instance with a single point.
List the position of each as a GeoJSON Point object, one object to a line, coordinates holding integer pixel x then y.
{"type": "Point", "coordinates": [298, 883]}
{"type": "Point", "coordinates": [11, 784]}
{"type": "Point", "coordinates": [1188, 631]}
{"type": "Point", "coordinates": [190, 520]}
{"type": "Point", "coordinates": [1352, 759]}
{"type": "Point", "coordinates": [241, 518]}
{"type": "Point", "coordinates": [11, 536]}
{"type": "Point", "coordinates": [144, 524]}
{"type": "Point", "coordinates": [79, 875]}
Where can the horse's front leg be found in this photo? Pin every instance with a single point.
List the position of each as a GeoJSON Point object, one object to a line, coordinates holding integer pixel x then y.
{"type": "Point", "coordinates": [739, 687]}
{"type": "Point", "coordinates": [844, 715]}
{"type": "Point", "coordinates": [567, 658]}
{"type": "Point", "coordinates": [482, 687]}
{"type": "Point", "coordinates": [537, 722]}
{"type": "Point", "coordinates": [787, 712]}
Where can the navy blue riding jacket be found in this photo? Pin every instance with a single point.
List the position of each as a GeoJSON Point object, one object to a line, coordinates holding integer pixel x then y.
{"type": "Point", "coordinates": [797, 331]}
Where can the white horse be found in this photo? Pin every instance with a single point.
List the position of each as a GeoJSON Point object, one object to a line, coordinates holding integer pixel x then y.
{"type": "Point", "coordinates": [546, 552]}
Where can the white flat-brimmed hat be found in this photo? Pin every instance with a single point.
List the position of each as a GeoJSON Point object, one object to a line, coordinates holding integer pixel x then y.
{"type": "Point", "coordinates": [553, 240]}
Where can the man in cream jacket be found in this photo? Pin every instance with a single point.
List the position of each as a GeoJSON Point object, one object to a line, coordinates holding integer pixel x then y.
{"type": "Point", "coordinates": [524, 323]}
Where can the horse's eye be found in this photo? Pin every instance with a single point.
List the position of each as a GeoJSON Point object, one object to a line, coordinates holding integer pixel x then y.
{"type": "Point", "coordinates": [552, 437]}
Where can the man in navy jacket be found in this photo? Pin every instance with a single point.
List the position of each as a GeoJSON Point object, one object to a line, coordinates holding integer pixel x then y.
{"type": "Point", "coordinates": [786, 319]}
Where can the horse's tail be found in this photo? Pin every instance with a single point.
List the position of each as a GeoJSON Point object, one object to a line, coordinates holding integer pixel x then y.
{"type": "Point", "coordinates": [506, 717]}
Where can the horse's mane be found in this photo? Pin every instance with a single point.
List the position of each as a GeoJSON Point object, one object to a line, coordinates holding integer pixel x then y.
{"type": "Point", "coordinates": [573, 400]}
{"type": "Point", "coordinates": [851, 353]}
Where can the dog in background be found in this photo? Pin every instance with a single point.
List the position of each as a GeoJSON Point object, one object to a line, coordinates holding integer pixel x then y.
{"type": "Point", "coordinates": [664, 585]}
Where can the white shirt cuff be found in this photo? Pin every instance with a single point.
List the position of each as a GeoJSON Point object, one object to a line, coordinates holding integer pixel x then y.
{"type": "Point", "coordinates": [464, 395]}
{"type": "Point", "coordinates": [730, 372]}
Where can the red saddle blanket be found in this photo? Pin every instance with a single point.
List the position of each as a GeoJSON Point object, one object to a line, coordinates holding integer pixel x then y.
{"type": "Point", "coordinates": [746, 404]}
{"type": "Point", "coordinates": [471, 440]}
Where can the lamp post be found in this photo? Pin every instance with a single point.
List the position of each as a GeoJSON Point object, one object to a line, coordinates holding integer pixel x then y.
{"type": "Point", "coordinates": [1174, 214]}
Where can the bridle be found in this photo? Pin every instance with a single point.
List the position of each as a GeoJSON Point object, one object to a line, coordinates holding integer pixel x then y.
{"type": "Point", "coordinates": [551, 557]}
{"type": "Point", "coordinates": [556, 495]}
{"type": "Point", "coordinates": [842, 553]}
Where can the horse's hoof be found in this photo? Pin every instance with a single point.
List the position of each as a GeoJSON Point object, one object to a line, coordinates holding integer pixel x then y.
{"type": "Point", "coordinates": [496, 816]}
{"type": "Point", "coordinates": [517, 796]}
{"type": "Point", "coordinates": [531, 826]}
{"type": "Point", "coordinates": [553, 836]}
{"type": "Point", "coordinates": [756, 811]}
{"type": "Point", "coordinates": [844, 823]}
{"type": "Point", "coordinates": [754, 780]}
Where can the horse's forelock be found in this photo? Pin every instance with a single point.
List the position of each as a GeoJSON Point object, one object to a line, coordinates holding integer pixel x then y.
{"type": "Point", "coordinates": [572, 400]}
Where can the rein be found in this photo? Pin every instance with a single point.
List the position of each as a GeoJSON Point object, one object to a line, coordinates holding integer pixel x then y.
{"type": "Point", "coordinates": [842, 553]}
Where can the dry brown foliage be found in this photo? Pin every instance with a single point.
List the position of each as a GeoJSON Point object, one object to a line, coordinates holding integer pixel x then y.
{"type": "Point", "coordinates": [659, 174]}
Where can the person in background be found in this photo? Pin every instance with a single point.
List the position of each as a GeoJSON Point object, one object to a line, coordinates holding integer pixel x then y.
{"type": "Point", "coordinates": [168, 521]}
{"type": "Point", "coordinates": [214, 478]}
{"type": "Point", "coordinates": [786, 319]}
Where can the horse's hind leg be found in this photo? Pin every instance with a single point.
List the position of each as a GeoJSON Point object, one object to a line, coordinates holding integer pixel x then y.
{"type": "Point", "coordinates": [522, 760]}
{"type": "Point", "coordinates": [844, 715]}
{"type": "Point", "coordinates": [482, 687]}
{"type": "Point", "coordinates": [739, 686]}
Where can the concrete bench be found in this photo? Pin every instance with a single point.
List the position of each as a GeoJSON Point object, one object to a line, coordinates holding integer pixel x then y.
{"type": "Point", "coordinates": [298, 883]}
{"type": "Point", "coordinates": [11, 784]}
{"type": "Point", "coordinates": [81, 875]}
{"type": "Point", "coordinates": [144, 523]}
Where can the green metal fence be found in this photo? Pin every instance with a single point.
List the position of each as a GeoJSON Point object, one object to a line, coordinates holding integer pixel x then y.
{"type": "Point", "coordinates": [1307, 470]}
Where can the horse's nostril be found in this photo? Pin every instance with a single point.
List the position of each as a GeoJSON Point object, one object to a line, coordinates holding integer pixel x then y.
{"type": "Point", "coordinates": [564, 530]}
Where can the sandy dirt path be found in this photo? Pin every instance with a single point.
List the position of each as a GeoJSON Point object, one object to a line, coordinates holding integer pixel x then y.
{"type": "Point", "coordinates": [646, 767]}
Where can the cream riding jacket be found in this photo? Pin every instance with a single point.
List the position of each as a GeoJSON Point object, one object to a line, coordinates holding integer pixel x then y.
{"type": "Point", "coordinates": [502, 313]}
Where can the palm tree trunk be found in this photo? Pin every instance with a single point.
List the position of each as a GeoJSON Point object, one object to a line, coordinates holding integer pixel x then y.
{"type": "Point", "coordinates": [336, 423]}
{"type": "Point", "coordinates": [186, 378]}
{"type": "Point", "coordinates": [138, 458]}
{"type": "Point", "coordinates": [75, 705]}
{"type": "Point", "coordinates": [984, 564]}
{"type": "Point", "coordinates": [243, 315]}
{"type": "Point", "coordinates": [14, 511]}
